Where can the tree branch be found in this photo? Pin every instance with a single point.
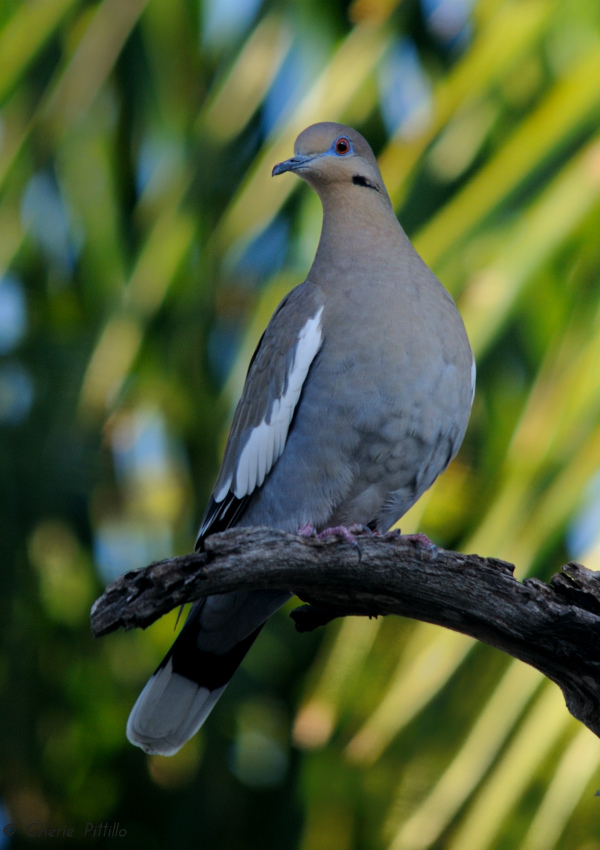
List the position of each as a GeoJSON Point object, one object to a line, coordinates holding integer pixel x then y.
{"type": "Point", "coordinates": [555, 628]}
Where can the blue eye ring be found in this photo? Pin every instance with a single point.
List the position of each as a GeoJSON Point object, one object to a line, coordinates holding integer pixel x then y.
{"type": "Point", "coordinates": [342, 146]}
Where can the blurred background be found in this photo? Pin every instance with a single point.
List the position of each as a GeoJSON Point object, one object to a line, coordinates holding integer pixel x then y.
{"type": "Point", "coordinates": [143, 247]}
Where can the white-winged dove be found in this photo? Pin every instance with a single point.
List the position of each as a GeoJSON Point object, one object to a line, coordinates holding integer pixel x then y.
{"type": "Point", "coordinates": [357, 397]}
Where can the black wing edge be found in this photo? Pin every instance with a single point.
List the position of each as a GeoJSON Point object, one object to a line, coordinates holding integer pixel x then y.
{"type": "Point", "coordinates": [220, 516]}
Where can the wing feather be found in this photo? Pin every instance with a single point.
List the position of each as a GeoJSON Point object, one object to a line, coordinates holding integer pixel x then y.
{"type": "Point", "coordinates": [276, 376]}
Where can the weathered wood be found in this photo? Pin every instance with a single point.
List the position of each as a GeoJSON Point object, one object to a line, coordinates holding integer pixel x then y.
{"type": "Point", "coordinates": [554, 627]}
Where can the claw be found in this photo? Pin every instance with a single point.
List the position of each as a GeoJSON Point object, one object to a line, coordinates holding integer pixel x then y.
{"type": "Point", "coordinates": [345, 534]}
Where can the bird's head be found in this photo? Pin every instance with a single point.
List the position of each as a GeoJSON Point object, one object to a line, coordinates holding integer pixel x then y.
{"type": "Point", "coordinates": [329, 153]}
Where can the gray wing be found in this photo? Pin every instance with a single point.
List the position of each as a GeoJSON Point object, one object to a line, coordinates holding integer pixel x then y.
{"type": "Point", "coordinates": [262, 419]}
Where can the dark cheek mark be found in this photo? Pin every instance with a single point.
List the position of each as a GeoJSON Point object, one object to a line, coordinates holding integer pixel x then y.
{"type": "Point", "coordinates": [359, 180]}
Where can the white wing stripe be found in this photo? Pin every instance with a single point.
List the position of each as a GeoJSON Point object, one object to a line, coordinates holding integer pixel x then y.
{"type": "Point", "coordinates": [267, 440]}
{"type": "Point", "coordinates": [223, 491]}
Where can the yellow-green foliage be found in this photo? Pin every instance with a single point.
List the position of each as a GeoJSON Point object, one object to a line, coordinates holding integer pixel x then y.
{"type": "Point", "coordinates": [146, 246]}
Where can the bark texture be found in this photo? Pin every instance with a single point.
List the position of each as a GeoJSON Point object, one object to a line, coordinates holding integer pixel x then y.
{"type": "Point", "coordinates": [554, 627]}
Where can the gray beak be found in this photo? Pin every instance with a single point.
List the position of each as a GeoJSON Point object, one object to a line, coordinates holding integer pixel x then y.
{"type": "Point", "coordinates": [294, 164]}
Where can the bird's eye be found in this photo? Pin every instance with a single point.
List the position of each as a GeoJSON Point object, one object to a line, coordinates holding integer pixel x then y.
{"type": "Point", "coordinates": [342, 146]}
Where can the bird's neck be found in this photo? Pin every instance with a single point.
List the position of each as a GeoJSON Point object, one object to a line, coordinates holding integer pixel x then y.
{"type": "Point", "coordinates": [360, 231]}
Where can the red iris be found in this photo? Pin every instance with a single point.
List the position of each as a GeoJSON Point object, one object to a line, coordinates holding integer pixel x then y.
{"type": "Point", "coordinates": [342, 146]}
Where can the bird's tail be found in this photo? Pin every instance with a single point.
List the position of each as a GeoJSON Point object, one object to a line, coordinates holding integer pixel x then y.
{"type": "Point", "coordinates": [183, 690]}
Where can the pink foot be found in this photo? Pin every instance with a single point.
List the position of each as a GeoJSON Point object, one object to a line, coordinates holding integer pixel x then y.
{"type": "Point", "coordinates": [339, 531]}
{"type": "Point", "coordinates": [346, 534]}
{"type": "Point", "coordinates": [421, 540]}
